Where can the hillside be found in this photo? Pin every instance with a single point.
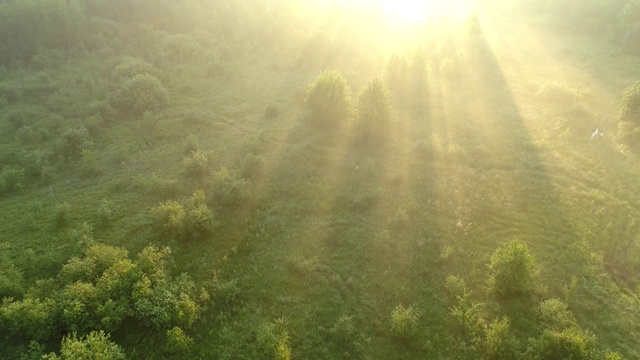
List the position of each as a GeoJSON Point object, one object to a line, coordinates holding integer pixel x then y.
{"type": "Point", "coordinates": [212, 179]}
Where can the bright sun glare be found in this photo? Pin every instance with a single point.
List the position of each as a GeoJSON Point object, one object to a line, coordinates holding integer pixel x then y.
{"type": "Point", "coordinates": [417, 11]}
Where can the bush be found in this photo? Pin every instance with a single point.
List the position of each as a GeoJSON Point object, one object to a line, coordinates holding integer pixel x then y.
{"type": "Point", "coordinates": [11, 179]}
{"type": "Point", "coordinates": [373, 111]}
{"type": "Point", "coordinates": [499, 343]}
{"type": "Point", "coordinates": [178, 343]}
{"type": "Point", "coordinates": [179, 48]}
{"type": "Point", "coordinates": [273, 339]}
{"type": "Point", "coordinates": [190, 221]}
{"type": "Point", "coordinates": [571, 343]}
{"type": "Point", "coordinates": [228, 188]}
{"type": "Point", "coordinates": [10, 281]}
{"type": "Point", "coordinates": [130, 67]}
{"type": "Point", "coordinates": [196, 165]}
{"type": "Point", "coordinates": [629, 116]}
{"type": "Point", "coordinates": [94, 346]}
{"type": "Point", "coordinates": [253, 166]}
{"type": "Point", "coordinates": [72, 142]}
{"type": "Point", "coordinates": [512, 270]}
{"type": "Point", "coordinates": [328, 99]}
{"type": "Point", "coordinates": [90, 166]}
{"type": "Point", "coordinates": [142, 92]}
{"type": "Point", "coordinates": [62, 215]}
{"type": "Point", "coordinates": [404, 322]}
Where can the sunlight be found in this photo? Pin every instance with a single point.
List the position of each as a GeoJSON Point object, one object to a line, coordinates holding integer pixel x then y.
{"type": "Point", "coordinates": [417, 11]}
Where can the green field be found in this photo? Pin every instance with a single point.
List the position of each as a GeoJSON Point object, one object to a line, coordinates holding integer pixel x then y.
{"type": "Point", "coordinates": [217, 179]}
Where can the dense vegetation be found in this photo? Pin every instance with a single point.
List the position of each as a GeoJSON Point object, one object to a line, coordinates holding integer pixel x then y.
{"type": "Point", "coordinates": [212, 179]}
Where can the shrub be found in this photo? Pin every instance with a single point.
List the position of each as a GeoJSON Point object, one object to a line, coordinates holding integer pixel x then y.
{"type": "Point", "coordinates": [171, 218]}
{"type": "Point", "coordinates": [373, 111]}
{"type": "Point", "coordinates": [72, 142]}
{"type": "Point", "coordinates": [130, 67]}
{"type": "Point", "coordinates": [106, 212]}
{"type": "Point", "coordinates": [11, 179]}
{"type": "Point", "coordinates": [10, 281]}
{"type": "Point", "coordinates": [629, 116]}
{"type": "Point", "coordinates": [571, 343]}
{"type": "Point", "coordinates": [90, 166]}
{"type": "Point", "coordinates": [555, 314]}
{"type": "Point", "coordinates": [142, 92]}
{"type": "Point", "coordinates": [179, 48]}
{"type": "Point", "coordinates": [61, 214]}
{"type": "Point", "coordinates": [190, 221]}
{"type": "Point", "coordinates": [404, 322]}
{"type": "Point", "coordinates": [32, 318]}
{"type": "Point", "coordinates": [499, 343]}
{"type": "Point", "coordinates": [512, 269]}
{"type": "Point", "coordinates": [178, 343]}
{"type": "Point", "coordinates": [196, 165]}
{"type": "Point", "coordinates": [228, 188]}
{"type": "Point", "coordinates": [273, 339]}
{"type": "Point", "coordinates": [191, 144]}
{"type": "Point", "coordinates": [252, 166]}
{"type": "Point", "coordinates": [95, 346]}
{"type": "Point", "coordinates": [328, 99]}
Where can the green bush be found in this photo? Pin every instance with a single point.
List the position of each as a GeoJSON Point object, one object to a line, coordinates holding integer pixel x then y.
{"type": "Point", "coordinates": [273, 339]}
{"type": "Point", "coordinates": [62, 215]}
{"type": "Point", "coordinates": [33, 318]}
{"type": "Point", "coordinates": [129, 67]}
{"type": "Point", "coordinates": [373, 112]}
{"type": "Point", "coordinates": [499, 343]}
{"type": "Point", "coordinates": [190, 221]}
{"type": "Point", "coordinates": [196, 165]}
{"type": "Point", "coordinates": [72, 142]}
{"type": "Point", "coordinates": [253, 166]}
{"type": "Point", "coordinates": [329, 99]}
{"type": "Point", "coordinates": [178, 343]}
{"type": "Point", "coordinates": [94, 346]}
{"type": "Point", "coordinates": [90, 166]}
{"type": "Point", "coordinates": [11, 281]}
{"type": "Point", "coordinates": [228, 188]}
{"type": "Point", "coordinates": [11, 179]}
{"type": "Point", "coordinates": [404, 322]}
{"type": "Point", "coordinates": [571, 343]}
{"type": "Point", "coordinates": [179, 48]}
{"type": "Point", "coordinates": [629, 116]}
{"type": "Point", "coordinates": [142, 92]}
{"type": "Point", "coordinates": [512, 270]}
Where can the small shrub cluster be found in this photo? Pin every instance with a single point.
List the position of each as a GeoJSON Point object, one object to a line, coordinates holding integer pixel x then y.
{"type": "Point", "coordinates": [185, 221]}
{"type": "Point", "coordinates": [329, 99]}
{"type": "Point", "coordinates": [140, 93]}
{"type": "Point", "coordinates": [228, 189]}
{"type": "Point", "coordinates": [628, 117]}
{"type": "Point", "coordinates": [100, 289]}
{"type": "Point", "coordinates": [373, 112]}
{"type": "Point", "coordinates": [512, 270]}
{"type": "Point", "coordinates": [11, 179]}
{"type": "Point", "coordinates": [404, 322]}
{"type": "Point", "coordinates": [95, 345]}
{"type": "Point", "coordinates": [273, 339]}
{"type": "Point", "coordinates": [196, 165]}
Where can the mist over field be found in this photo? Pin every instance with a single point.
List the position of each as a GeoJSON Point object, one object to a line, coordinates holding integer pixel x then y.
{"type": "Point", "coordinates": [323, 179]}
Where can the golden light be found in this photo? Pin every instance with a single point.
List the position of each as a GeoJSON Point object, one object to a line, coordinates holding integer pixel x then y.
{"type": "Point", "coordinates": [417, 11]}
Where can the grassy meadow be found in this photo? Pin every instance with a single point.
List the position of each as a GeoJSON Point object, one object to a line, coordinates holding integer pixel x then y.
{"type": "Point", "coordinates": [213, 179]}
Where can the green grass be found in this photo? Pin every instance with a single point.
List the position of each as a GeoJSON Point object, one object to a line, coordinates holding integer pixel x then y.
{"type": "Point", "coordinates": [332, 236]}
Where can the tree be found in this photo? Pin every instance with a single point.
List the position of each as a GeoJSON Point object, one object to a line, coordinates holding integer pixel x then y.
{"type": "Point", "coordinates": [373, 111]}
{"type": "Point", "coordinates": [512, 270]}
{"type": "Point", "coordinates": [629, 116]}
{"type": "Point", "coordinates": [329, 99]}
{"type": "Point", "coordinates": [95, 346]}
{"type": "Point", "coordinates": [142, 92]}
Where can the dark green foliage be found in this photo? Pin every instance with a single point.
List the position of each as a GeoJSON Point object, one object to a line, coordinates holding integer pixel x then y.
{"type": "Point", "coordinates": [329, 99]}
{"type": "Point", "coordinates": [374, 112]}
{"type": "Point", "coordinates": [196, 165]}
{"type": "Point", "coordinates": [11, 281]}
{"type": "Point", "coordinates": [571, 343]}
{"type": "Point", "coordinates": [228, 188]}
{"type": "Point", "coordinates": [11, 179]}
{"type": "Point", "coordinates": [629, 116]}
{"type": "Point", "coordinates": [62, 214]}
{"type": "Point", "coordinates": [142, 92]}
{"type": "Point", "coordinates": [71, 143]}
{"type": "Point", "coordinates": [273, 339]}
{"type": "Point", "coordinates": [499, 343]}
{"type": "Point", "coordinates": [97, 345]}
{"type": "Point", "coordinates": [512, 271]}
{"type": "Point", "coordinates": [188, 221]}
{"type": "Point", "coordinates": [178, 343]}
{"type": "Point", "coordinates": [129, 67]}
{"type": "Point", "coordinates": [404, 322]}
{"type": "Point", "coordinates": [34, 318]}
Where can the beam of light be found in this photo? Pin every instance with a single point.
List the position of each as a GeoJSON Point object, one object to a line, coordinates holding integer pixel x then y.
{"type": "Point", "coordinates": [417, 11]}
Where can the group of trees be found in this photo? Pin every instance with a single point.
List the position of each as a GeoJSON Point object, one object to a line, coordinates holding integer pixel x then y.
{"type": "Point", "coordinates": [98, 291]}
